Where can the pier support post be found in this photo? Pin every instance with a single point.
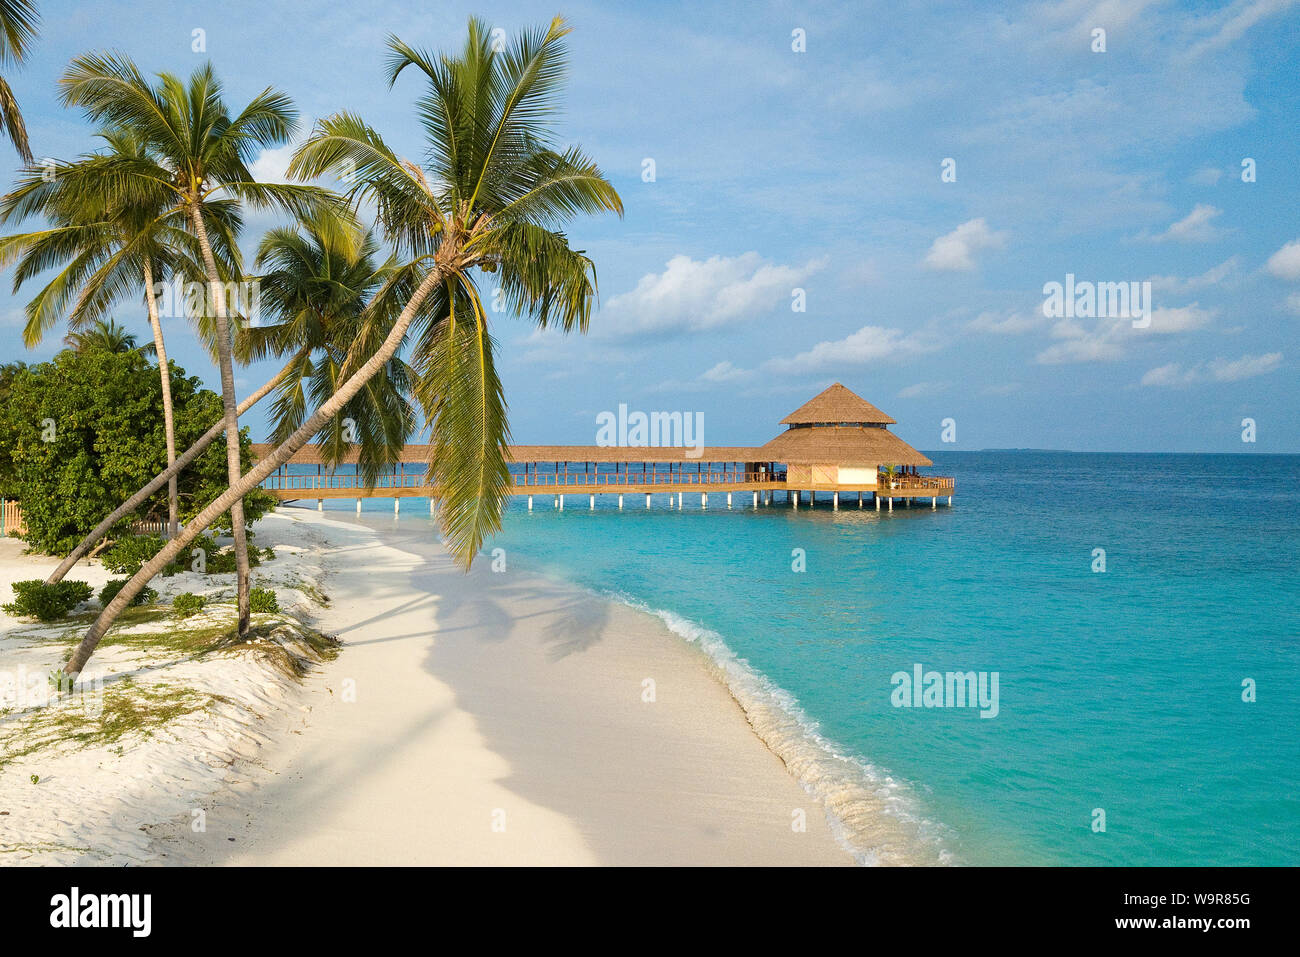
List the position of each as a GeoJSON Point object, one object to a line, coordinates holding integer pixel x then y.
{"type": "Point", "coordinates": [593, 502]}
{"type": "Point", "coordinates": [397, 505]}
{"type": "Point", "coordinates": [704, 500]}
{"type": "Point", "coordinates": [728, 500]}
{"type": "Point", "coordinates": [877, 498]}
{"type": "Point", "coordinates": [647, 500]}
{"type": "Point", "coordinates": [934, 501]}
{"type": "Point", "coordinates": [560, 500]}
{"type": "Point", "coordinates": [950, 501]}
{"type": "Point", "coordinates": [530, 503]}
{"type": "Point", "coordinates": [756, 501]}
{"type": "Point", "coordinates": [620, 501]}
{"type": "Point", "coordinates": [859, 500]}
{"type": "Point", "coordinates": [891, 503]}
{"type": "Point", "coordinates": [908, 501]}
{"type": "Point", "coordinates": [835, 502]}
{"type": "Point", "coordinates": [794, 499]}
{"type": "Point", "coordinates": [320, 504]}
{"type": "Point", "coordinates": [358, 506]}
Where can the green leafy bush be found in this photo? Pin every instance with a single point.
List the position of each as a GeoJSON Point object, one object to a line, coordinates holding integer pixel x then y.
{"type": "Point", "coordinates": [35, 599]}
{"type": "Point", "coordinates": [107, 441]}
{"type": "Point", "coordinates": [114, 585]}
{"type": "Point", "coordinates": [223, 563]}
{"type": "Point", "coordinates": [187, 603]}
{"type": "Point", "coordinates": [126, 555]}
{"type": "Point", "coordinates": [263, 600]}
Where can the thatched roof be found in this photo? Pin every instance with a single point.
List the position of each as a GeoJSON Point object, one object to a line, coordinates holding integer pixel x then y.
{"type": "Point", "coordinates": [834, 406]}
{"type": "Point", "coordinates": [847, 445]}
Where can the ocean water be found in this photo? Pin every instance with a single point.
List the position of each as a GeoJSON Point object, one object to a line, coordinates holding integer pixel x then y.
{"type": "Point", "coordinates": [1119, 692]}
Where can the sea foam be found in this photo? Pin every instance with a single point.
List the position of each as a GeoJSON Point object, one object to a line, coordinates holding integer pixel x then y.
{"type": "Point", "coordinates": [874, 816]}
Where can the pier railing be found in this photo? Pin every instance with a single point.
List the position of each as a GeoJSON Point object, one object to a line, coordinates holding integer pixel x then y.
{"type": "Point", "coordinates": [936, 482]}
{"type": "Point", "coordinates": [279, 482]}
{"type": "Point", "coordinates": [617, 479]}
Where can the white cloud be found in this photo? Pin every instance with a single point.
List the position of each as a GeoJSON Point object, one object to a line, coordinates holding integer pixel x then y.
{"type": "Point", "coordinates": [955, 251]}
{"type": "Point", "coordinates": [1177, 319]}
{"type": "Point", "coordinates": [1234, 20]}
{"type": "Point", "coordinates": [922, 389]}
{"type": "Point", "coordinates": [271, 165]}
{"type": "Point", "coordinates": [868, 344]}
{"type": "Point", "coordinates": [997, 324]}
{"type": "Point", "coordinates": [1211, 277]}
{"type": "Point", "coordinates": [1285, 263]}
{"type": "Point", "coordinates": [1206, 176]}
{"type": "Point", "coordinates": [1216, 370]}
{"type": "Point", "coordinates": [696, 295]}
{"type": "Point", "coordinates": [1108, 340]}
{"type": "Point", "coordinates": [724, 372]}
{"type": "Point", "coordinates": [1196, 227]}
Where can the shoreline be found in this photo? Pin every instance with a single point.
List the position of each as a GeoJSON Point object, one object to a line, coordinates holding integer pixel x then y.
{"type": "Point", "coordinates": [498, 718]}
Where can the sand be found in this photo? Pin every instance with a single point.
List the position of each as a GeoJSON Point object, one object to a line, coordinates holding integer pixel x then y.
{"type": "Point", "coordinates": [490, 718]}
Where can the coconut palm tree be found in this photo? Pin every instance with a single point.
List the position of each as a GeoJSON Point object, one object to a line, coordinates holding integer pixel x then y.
{"type": "Point", "coordinates": [109, 336]}
{"type": "Point", "coordinates": [316, 282]}
{"type": "Point", "coordinates": [108, 244]}
{"type": "Point", "coordinates": [18, 22]}
{"type": "Point", "coordinates": [206, 151]}
{"type": "Point", "coordinates": [490, 198]}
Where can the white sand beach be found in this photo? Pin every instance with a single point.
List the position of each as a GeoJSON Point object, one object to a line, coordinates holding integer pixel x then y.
{"type": "Point", "coordinates": [488, 718]}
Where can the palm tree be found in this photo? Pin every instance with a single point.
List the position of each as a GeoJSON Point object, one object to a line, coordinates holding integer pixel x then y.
{"type": "Point", "coordinates": [108, 243]}
{"type": "Point", "coordinates": [188, 127]}
{"type": "Point", "coordinates": [109, 336]}
{"type": "Point", "coordinates": [490, 198]}
{"type": "Point", "coordinates": [18, 22]}
{"type": "Point", "coordinates": [316, 284]}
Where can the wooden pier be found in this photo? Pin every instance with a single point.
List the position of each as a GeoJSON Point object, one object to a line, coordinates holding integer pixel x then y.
{"type": "Point", "coordinates": [837, 444]}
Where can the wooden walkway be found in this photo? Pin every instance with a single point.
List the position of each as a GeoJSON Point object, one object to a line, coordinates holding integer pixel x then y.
{"type": "Point", "coordinates": [762, 486]}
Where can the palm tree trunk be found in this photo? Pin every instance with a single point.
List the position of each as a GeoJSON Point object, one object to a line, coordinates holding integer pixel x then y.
{"type": "Point", "coordinates": [265, 467]}
{"type": "Point", "coordinates": [158, 481]}
{"type": "Point", "coordinates": [169, 421]}
{"type": "Point", "coordinates": [232, 417]}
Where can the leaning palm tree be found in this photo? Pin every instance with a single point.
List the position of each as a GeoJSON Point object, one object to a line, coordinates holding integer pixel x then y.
{"type": "Point", "coordinates": [316, 283]}
{"type": "Point", "coordinates": [491, 198]}
{"type": "Point", "coordinates": [206, 150]}
{"type": "Point", "coordinates": [108, 245]}
{"type": "Point", "coordinates": [18, 22]}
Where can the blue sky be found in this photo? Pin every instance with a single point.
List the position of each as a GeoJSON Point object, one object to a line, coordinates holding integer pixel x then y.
{"type": "Point", "coordinates": [820, 170]}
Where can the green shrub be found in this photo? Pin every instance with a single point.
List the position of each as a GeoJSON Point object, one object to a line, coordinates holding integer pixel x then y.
{"type": "Point", "coordinates": [222, 563]}
{"type": "Point", "coordinates": [114, 585]}
{"type": "Point", "coordinates": [187, 604]}
{"type": "Point", "coordinates": [35, 599]}
{"type": "Point", "coordinates": [263, 600]}
{"type": "Point", "coordinates": [126, 555]}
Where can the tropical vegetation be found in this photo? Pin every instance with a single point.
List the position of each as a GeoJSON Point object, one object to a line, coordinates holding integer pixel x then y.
{"type": "Point", "coordinates": [378, 328]}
